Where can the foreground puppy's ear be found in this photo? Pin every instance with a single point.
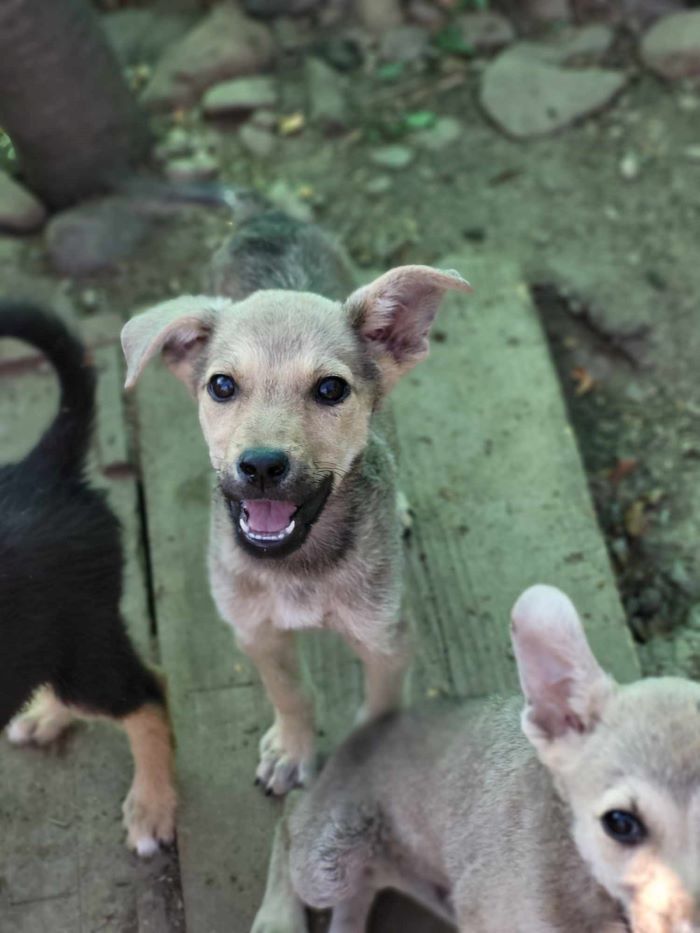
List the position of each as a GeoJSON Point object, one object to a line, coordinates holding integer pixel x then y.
{"type": "Point", "coordinates": [394, 314]}
{"type": "Point", "coordinates": [564, 686]}
{"type": "Point", "coordinates": [178, 328]}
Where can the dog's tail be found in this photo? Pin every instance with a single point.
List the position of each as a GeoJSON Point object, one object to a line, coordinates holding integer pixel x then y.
{"type": "Point", "coordinates": [63, 447]}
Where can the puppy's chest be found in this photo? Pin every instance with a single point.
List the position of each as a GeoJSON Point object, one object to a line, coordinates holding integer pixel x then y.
{"type": "Point", "coordinates": [288, 605]}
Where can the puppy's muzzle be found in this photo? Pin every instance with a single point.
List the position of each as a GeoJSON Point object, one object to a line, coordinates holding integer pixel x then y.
{"type": "Point", "coordinates": [263, 467]}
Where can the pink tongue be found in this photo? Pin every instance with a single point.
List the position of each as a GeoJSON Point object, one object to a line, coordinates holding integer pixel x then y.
{"type": "Point", "coordinates": [268, 515]}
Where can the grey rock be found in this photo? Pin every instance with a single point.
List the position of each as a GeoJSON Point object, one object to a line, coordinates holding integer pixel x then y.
{"type": "Point", "coordinates": [574, 46]}
{"type": "Point", "coordinates": [141, 36]}
{"type": "Point", "coordinates": [394, 157]}
{"type": "Point", "coordinates": [485, 31]}
{"type": "Point", "coordinates": [445, 130]}
{"type": "Point", "coordinates": [95, 236]}
{"type": "Point", "coordinates": [240, 95]}
{"type": "Point", "coordinates": [258, 141]}
{"type": "Point", "coordinates": [20, 211]}
{"type": "Point", "coordinates": [404, 44]}
{"type": "Point", "coordinates": [671, 48]}
{"type": "Point", "coordinates": [425, 14]}
{"type": "Point", "coordinates": [326, 91]}
{"type": "Point", "coordinates": [548, 11]}
{"type": "Point", "coordinates": [225, 44]}
{"type": "Point", "coordinates": [527, 97]}
{"type": "Point", "coordinates": [265, 119]}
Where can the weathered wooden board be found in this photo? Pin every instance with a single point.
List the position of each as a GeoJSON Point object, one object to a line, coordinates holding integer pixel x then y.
{"type": "Point", "coordinates": [63, 864]}
{"type": "Point", "coordinates": [492, 471]}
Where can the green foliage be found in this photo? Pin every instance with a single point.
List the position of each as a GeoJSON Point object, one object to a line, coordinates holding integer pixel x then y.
{"type": "Point", "coordinates": [450, 41]}
{"type": "Point", "coordinates": [419, 120]}
{"type": "Point", "coordinates": [392, 71]}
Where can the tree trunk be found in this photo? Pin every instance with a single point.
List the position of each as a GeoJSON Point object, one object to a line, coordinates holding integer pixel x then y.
{"type": "Point", "coordinates": [64, 102]}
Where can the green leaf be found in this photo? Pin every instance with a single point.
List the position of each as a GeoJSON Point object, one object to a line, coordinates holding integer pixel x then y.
{"type": "Point", "coordinates": [419, 119]}
{"type": "Point", "coordinates": [391, 71]}
{"type": "Point", "coordinates": [451, 41]}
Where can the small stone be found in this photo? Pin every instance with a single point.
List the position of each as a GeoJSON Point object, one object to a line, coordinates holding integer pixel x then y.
{"type": "Point", "coordinates": [20, 211]}
{"type": "Point", "coordinates": [379, 15]}
{"type": "Point", "coordinates": [485, 32]}
{"type": "Point", "coordinates": [394, 157]}
{"type": "Point", "coordinates": [258, 141]}
{"type": "Point", "coordinates": [404, 44]}
{"type": "Point", "coordinates": [671, 48]}
{"type": "Point", "coordinates": [549, 11]}
{"type": "Point", "coordinates": [225, 44]}
{"type": "Point", "coordinates": [198, 167]}
{"type": "Point", "coordinates": [692, 153]}
{"type": "Point", "coordinates": [327, 95]}
{"type": "Point", "coordinates": [240, 95]}
{"type": "Point", "coordinates": [629, 166]}
{"type": "Point", "coordinates": [89, 299]}
{"type": "Point", "coordinates": [378, 185]}
{"type": "Point", "coordinates": [95, 236]}
{"type": "Point", "coordinates": [446, 130]}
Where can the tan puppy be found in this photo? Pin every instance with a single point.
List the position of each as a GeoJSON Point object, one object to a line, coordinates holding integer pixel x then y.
{"type": "Point", "coordinates": [580, 814]}
{"type": "Point", "coordinates": [305, 529]}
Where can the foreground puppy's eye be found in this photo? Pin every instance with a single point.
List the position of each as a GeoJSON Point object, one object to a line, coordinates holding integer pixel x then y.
{"type": "Point", "coordinates": [221, 387]}
{"type": "Point", "coordinates": [332, 390]}
{"type": "Point", "coordinates": [624, 827]}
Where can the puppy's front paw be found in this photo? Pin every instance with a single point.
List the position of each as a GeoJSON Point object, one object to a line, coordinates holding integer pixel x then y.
{"type": "Point", "coordinates": [43, 722]}
{"type": "Point", "coordinates": [280, 918]}
{"type": "Point", "coordinates": [149, 818]}
{"type": "Point", "coordinates": [282, 768]}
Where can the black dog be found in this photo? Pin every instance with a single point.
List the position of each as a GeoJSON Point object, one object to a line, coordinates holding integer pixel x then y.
{"type": "Point", "coordinates": [60, 586]}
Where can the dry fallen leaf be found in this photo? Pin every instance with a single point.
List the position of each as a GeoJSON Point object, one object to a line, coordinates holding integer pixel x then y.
{"type": "Point", "coordinates": [293, 123]}
{"type": "Point", "coordinates": [622, 468]}
{"type": "Point", "coordinates": [585, 382]}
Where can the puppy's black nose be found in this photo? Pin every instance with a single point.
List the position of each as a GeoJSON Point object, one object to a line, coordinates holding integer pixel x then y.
{"type": "Point", "coordinates": [263, 466]}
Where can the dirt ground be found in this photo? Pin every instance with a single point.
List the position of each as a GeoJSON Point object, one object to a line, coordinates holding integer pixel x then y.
{"type": "Point", "coordinates": [610, 254]}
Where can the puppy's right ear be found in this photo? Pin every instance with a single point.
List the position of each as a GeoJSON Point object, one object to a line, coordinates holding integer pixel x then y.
{"type": "Point", "coordinates": [564, 686]}
{"type": "Point", "coordinates": [179, 329]}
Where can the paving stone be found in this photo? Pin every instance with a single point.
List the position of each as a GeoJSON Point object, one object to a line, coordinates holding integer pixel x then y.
{"type": "Point", "coordinates": [393, 157]}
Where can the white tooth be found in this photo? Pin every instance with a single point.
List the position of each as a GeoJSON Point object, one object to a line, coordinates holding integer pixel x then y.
{"type": "Point", "coordinates": [243, 523]}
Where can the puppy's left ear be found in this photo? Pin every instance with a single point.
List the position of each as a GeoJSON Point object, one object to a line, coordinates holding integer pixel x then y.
{"type": "Point", "coordinates": [565, 688]}
{"type": "Point", "coordinates": [394, 314]}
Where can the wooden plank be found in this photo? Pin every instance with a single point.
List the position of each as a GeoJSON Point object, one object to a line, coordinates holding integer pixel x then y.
{"type": "Point", "coordinates": [63, 861]}
{"type": "Point", "coordinates": [492, 471]}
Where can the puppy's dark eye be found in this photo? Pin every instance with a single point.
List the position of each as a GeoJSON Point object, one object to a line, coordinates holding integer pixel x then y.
{"type": "Point", "coordinates": [624, 827]}
{"type": "Point", "coordinates": [332, 390]}
{"type": "Point", "coordinates": [221, 387]}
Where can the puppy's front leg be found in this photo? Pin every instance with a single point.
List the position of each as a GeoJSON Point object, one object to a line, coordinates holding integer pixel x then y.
{"type": "Point", "coordinates": [287, 748]}
{"type": "Point", "coordinates": [385, 674]}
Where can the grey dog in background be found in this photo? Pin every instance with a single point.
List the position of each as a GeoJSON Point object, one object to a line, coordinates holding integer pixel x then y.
{"type": "Point", "coordinates": [578, 814]}
{"type": "Point", "coordinates": [289, 365]}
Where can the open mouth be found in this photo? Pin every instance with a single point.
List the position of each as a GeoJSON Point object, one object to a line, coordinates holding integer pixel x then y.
{"type": "Point", "coordinates": [267, 521]}
{"type": "Point", "coordinates": [276, 527]}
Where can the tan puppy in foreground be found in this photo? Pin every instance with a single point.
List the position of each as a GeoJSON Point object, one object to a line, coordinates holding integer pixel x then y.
{"type": "Point", "coordinates": [578, 814]}
{"type": "Point", "coordinates": [288, 371]}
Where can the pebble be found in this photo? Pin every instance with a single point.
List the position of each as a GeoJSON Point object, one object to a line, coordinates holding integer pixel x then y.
{"type": "Point", "coordinates": [378, 185]}
{"type": "Point", "coordinates": [240, 95]}
{"type": "Point", "coordinates": [394, 157]}
{"type": "Point", "coordinates": [629, 166]}
{"type": "Point", "coordinates": [200, 166]}
{"type": "Point", "coordinates": [446, 130]}
{"type": "Point", "coordinates": [485, 31]}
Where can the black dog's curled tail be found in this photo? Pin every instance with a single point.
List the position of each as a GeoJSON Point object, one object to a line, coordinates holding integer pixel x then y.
{"type": "Point", "coordinates": [62, 449]}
